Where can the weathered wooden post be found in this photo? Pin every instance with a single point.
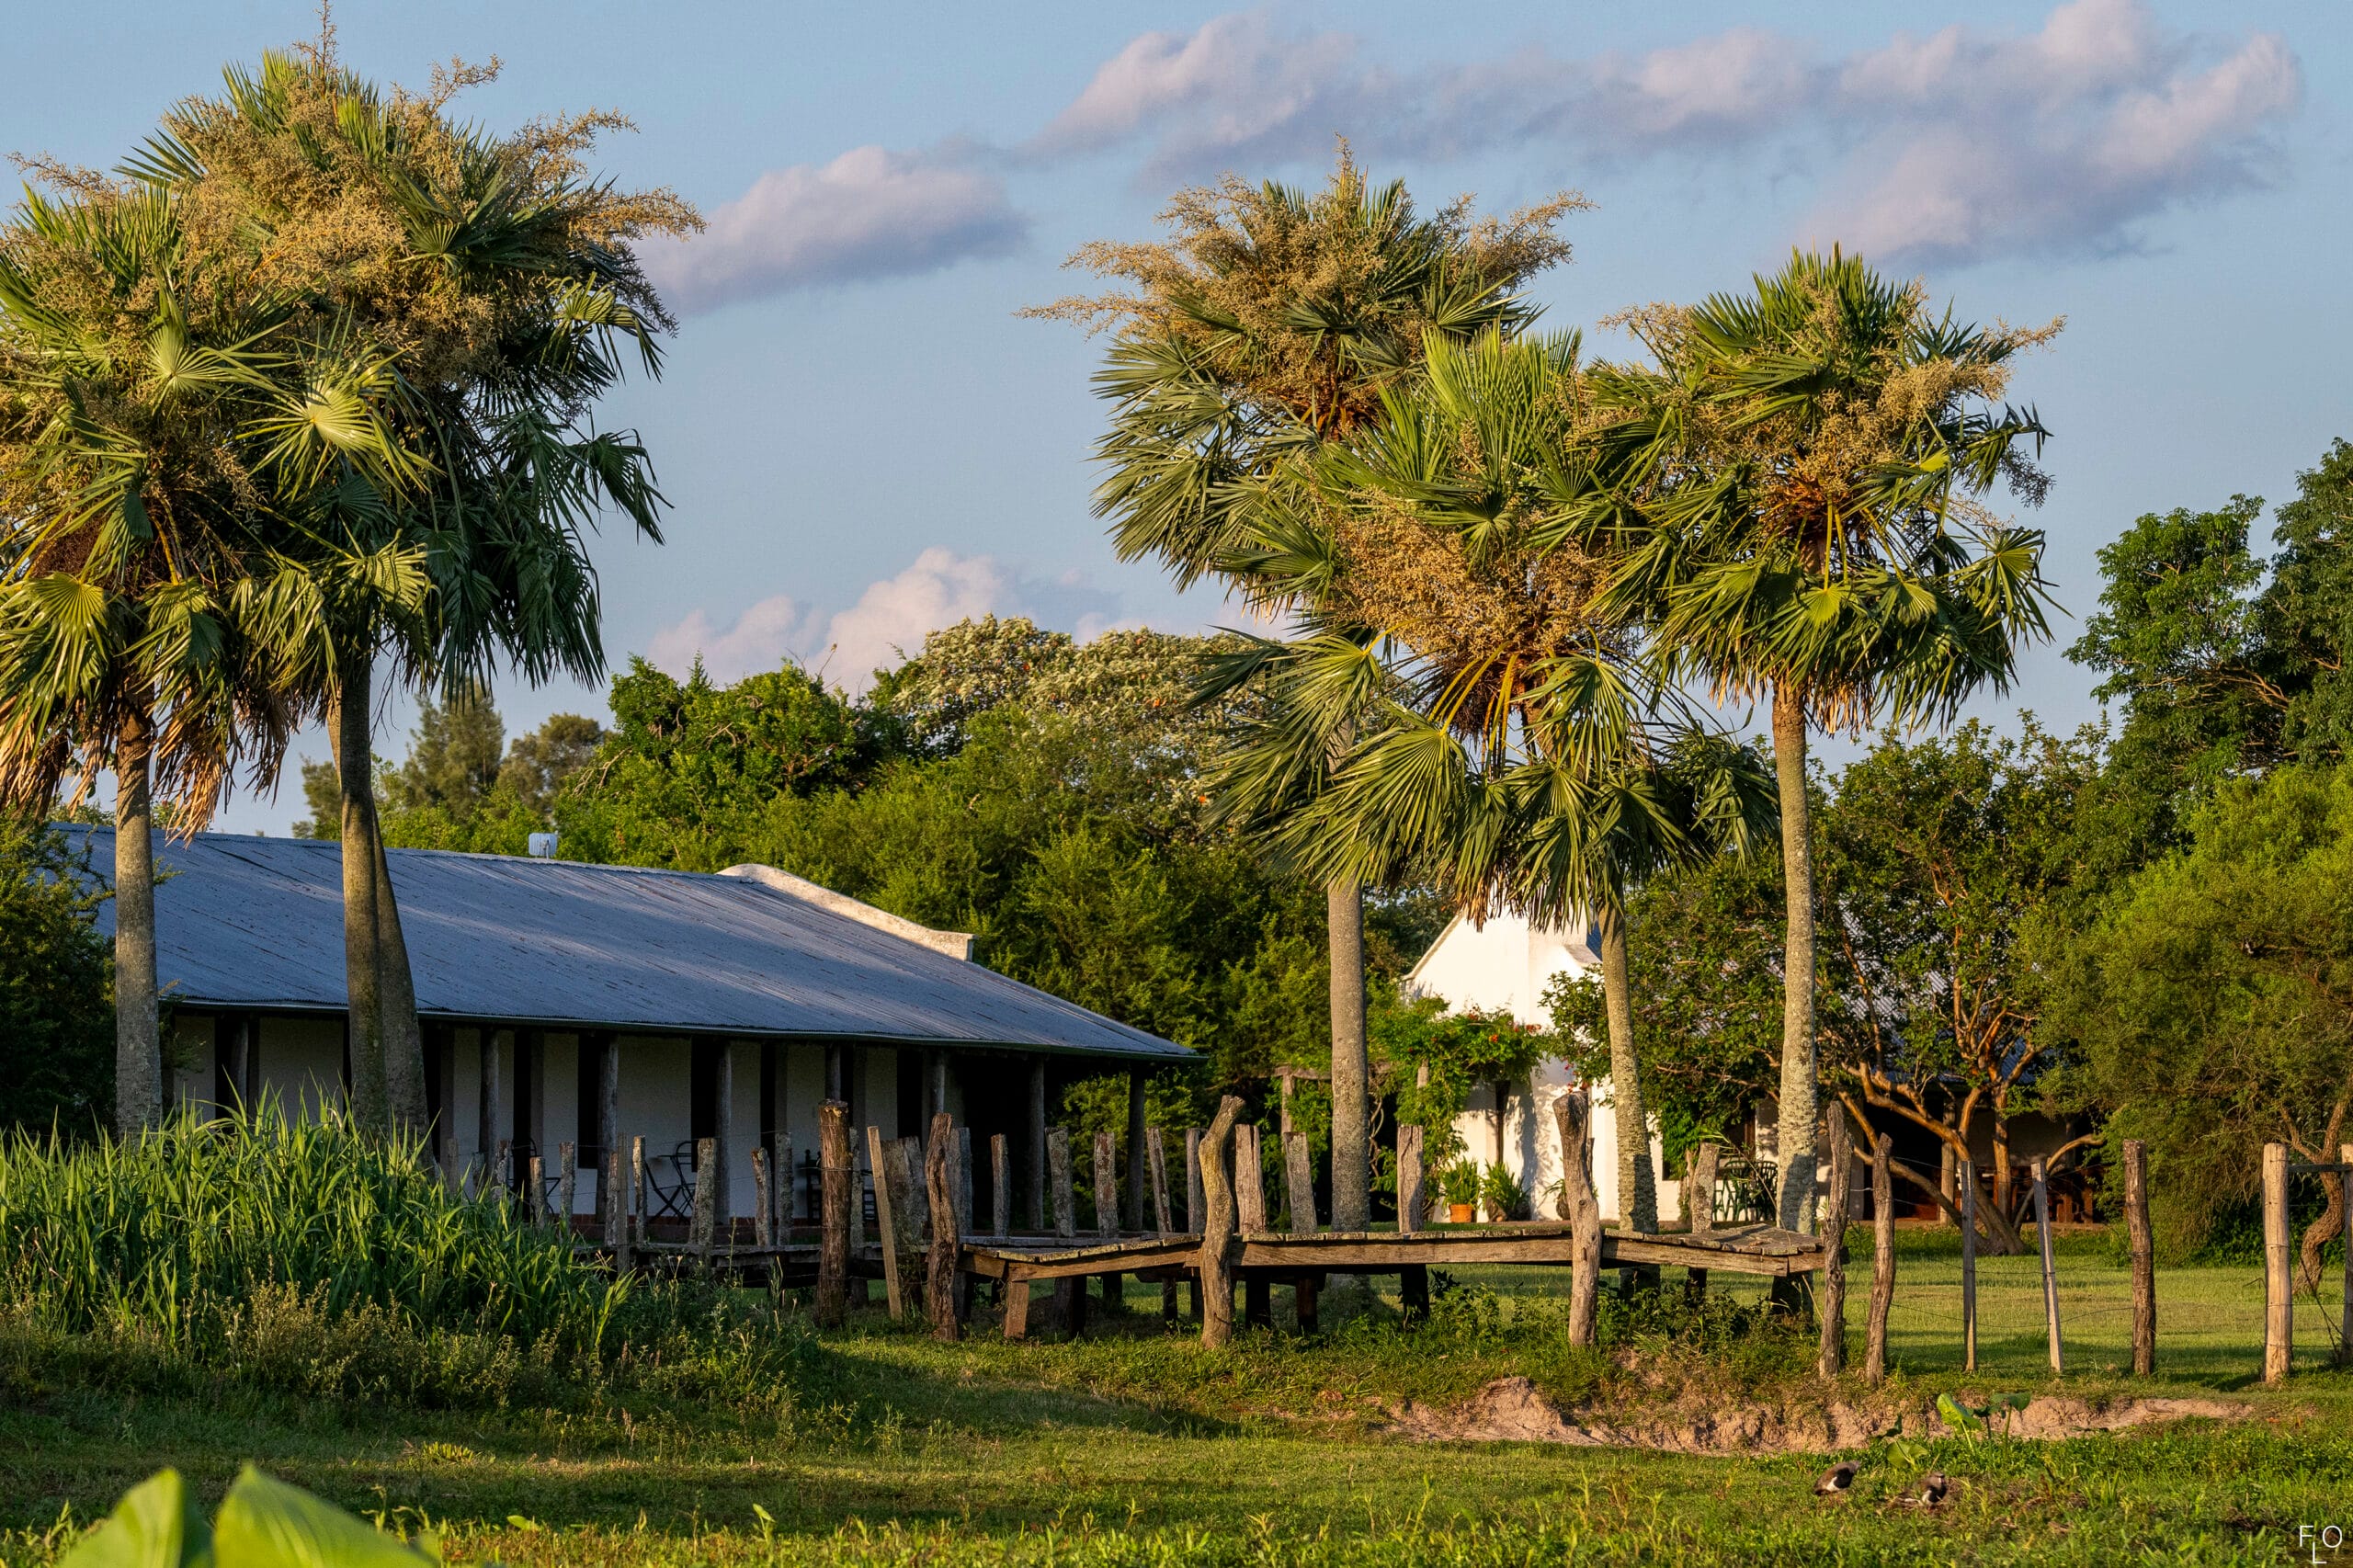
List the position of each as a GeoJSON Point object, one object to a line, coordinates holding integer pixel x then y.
{"type": "Point", "coordinates": [1250, 1219]}
{"type": "Point", "coordinates": [609, 1130]}
{"type": "Point", "coordinates": [636, 1201]}
{"type": "Point", "coordinates": [1196, 1211]}
{"type": "Point", "coordinates": [1700, 1202]}
{"type": "Point", "coordinates": [1137, 1111]}
{"type": "Point", "coordinates": [2344, 1204]}
{"type": "Point", "coordinates": [833, 1214]}
{"type": "Point", "coordinates": [491, 1109]}
{"type": "Point", "coordinates": [939, 1278]}
{"type": "Point", "coordinates": [503, 1171]}
{"type": "Point", "coordinates": [1040, 1204]}
{"type": "Point", "coordinates": [567, 1184]}
{"type": "Point", "coordinates": [535, 1201]}
{"type": "Point", "coordinates": [887, 1210]}
{"type": "Point", "coordinates": [911, 1166]}
{"type": "Point", "coordinates": [706, 1211]}
{"type": "Point", "coordinates": [1070, 1294]}
{"type": "Point", "coordinates": [1968, 1173]}
{"type": "Point", "coordinates": [763, 1210]}
{"type": "Point", "coordinates": [1882, 1257]}
{"type": "Point", "coordinates": [1157, 1167]}
{"type": "Point", "coordinates": [2050, 1275]}
{"type": "Point", "coordinates": [1831, 1360]}
{"type": "Point", "coordinates": [2145, 1257]}
{"type": "Point", "coordinates": [1299, 1184]}
{"type": "Point", "coordinates": [1413, 1204]}
{"type": "Point", "coordinates": [1215, 1261]}
{"type": "Point", "coordinates": [2279, 1306]}
{"type": "Point", "coordinates": [1107, 1213]}
{"type": "Point", "coordinates": [616, 1196]}
{"type": "Point", "coordinates": [780, 1162]}
{"type": "Point", "coordinates": [1571, 1113]}
{"type": "Point", "coordinates": [963, 1173]}
{"type": "Point", "coordinates": [1000, 1187]}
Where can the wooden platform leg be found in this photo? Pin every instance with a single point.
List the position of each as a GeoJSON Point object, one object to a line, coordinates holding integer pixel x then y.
{"type": "Point", "coordinates": [1017, 1309]}
{"type": "Point", "coordinates": [1070, 1306]}
{"type": "Point", "coordinates": [1193, 1298]}
{"type": "Point", "coordinates": [1302, 1292]}
{"type": "Point", "coordinates": [1257, 1303]}
{"type": "Point", "coordinates": [1413, 1291]}
{"type": "Point", "coordinates": [1114, 1296]}
{"type": "Point", "coordinates": [1168, 1300]}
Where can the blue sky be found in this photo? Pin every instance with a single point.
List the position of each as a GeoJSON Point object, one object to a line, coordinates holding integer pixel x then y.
{"type": "Point", "coordinates": [863, 440]}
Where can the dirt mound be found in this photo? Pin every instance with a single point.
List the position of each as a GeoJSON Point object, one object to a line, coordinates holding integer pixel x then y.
{"type": "Point", "coordinates": [1514, 1410]}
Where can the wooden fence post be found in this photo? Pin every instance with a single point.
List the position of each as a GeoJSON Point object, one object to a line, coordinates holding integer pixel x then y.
{"type": "Point", "coordinates": [780, 1188]}
{"type": "Point", "coordinates": [2144, 1260]}
{"type": "Point", "coordinates": [1299, 1184]}
{"type": "Point", "coordinates": [833, 1214]}
{"type": "Point", "coordinates": [1413, 1204]}
{"type": "Point", "coordinates": [1700, 1202]}
{"type": "Point", "coordinates": [706, 1212]}
{"type": "Point", "coordinates": [634, 1200]}
{"type": "Point", "coordinates": [1197, 1209]}
{"type": "Point", "coordinates": [2050, 1275]}
{"type": "Point", "coordinates": [1106, 1212]}
{"type": "Point", "coordinates": [1000, 1187]}
{"type": "Point", "coordinates": [567, 1184]}
{"type": "Point", "coordinates": [2278, 1305]}
{"type": "Point", "coordinates": [1214, 1262]}
{"type": "Point", "coordinates": [887, 1210]}
{"type": "Point", "coordinates": [963, 1173]}
{"type": "Point", "coordinates": [535, 1202]}
{"type": "Point", "coordinates": [1250, 1219]}
{"type": "Point", "coordinates": [2345, 1181]}
{"type": "Point", "coordinates": [939, 1278]}
{"type": "Point", "coordinates": [763, 1211]}
{"type": "Point", "coordinates": [616, 1202]}
{"type": "Point", "coordinates": [1967, 1172]}
{"type": "Point", "coordinates": [1157, 1167]}
{"type": "Point", "coordinates": [1882, 1258]}
{"type": "Point", "coordinates": [911, 1168]}
{"type": "Point", "coordinates": [1570, 1114]}
{"type": "Point", "coordinates": [1832, 1312]}
{"type": "Point", "coordinates": [1070, 1294]}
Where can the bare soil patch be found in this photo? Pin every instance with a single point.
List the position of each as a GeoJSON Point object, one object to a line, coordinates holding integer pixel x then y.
{"type": "Point", "coordinates": [1515, 1410]}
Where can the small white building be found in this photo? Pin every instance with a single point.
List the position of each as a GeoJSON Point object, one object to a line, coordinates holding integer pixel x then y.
{"type": "Point", "coordinates": [1503, 966]}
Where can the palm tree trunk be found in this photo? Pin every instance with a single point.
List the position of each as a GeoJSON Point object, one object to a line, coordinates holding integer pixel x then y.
{"type": "Point", "coordinates": [1351, 1155]}
{"type": "Point", "coordinates": [362, 954]}
{"type": "Point", "coordinates": [1637, 1183]}
{"type": "Point", "coordinates": [1794, 1139]}
{"type": "Point", "coordinates": [396, 1001]}
{"type": "Point", "coordinates": [138, 1054]}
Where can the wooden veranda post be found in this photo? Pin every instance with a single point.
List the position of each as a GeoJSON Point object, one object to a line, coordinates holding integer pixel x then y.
{"type": "Point", "coordinates": [1831, 1360]}
{"type": "Point", "coordinates": [1136, 1115]}
{"type": "Point", "coordinates": [1882, 1257]}
{"type": "Point", "coordinates": [887, 1210]}
{"type": "Point", "coordinates": [1106, 1212]}
{"type": "Point", "coordinates": [2050, 1275]}
{"type": "Point", "coordinates": [1070, 1294]}
{"type": "Point", "coordinates": [1968, 1173]}
{"type": "Point", "coordinates": [2279, 1252]}
{"type": "Point", "coordinates": [1035, 1152]}
{"type": "Point", "coordinates": [1215, 1261]}
{"type": "Point", "coordinates": [763, 1211]}
{"type": "Point", "coordinates": [2144, 1258]}
{"type": "Point", "coordinates": [939, 1278]}
{"type": "Point", "coordinates": [706, 1209]}
{"type": "Point", "coordinates": [567, 1184]}
{"type": "Point", "coordinates": [1000, 1187]}
{"type": "Point", "coordinates": [490, 1107]}
{"type": "Point", "coordinates": [634, 1209]}
{"type": "Point", "coordinates": [609, 1133]}
{"type": "Point", "coordinates": [1573, 1116]}
{"type": "Point", "coordinates": [617, 1227]}
{"type": "Point", "coordinates": [833, 1214]}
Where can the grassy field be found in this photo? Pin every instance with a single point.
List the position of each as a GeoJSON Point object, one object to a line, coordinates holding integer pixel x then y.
{"type": "Point", "coordinates": [875, 1444]}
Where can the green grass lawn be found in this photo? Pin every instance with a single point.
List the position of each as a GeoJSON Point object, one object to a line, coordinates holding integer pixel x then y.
{"type": "Point", "coordinates": [1138, 1447]}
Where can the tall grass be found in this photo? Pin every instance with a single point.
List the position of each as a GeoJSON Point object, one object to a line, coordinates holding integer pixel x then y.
{"type": "Point", "coordinates": [162, 1235]}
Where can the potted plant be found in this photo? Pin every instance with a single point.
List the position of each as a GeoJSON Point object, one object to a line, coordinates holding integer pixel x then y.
{"type": "Point", "coordinates": [1458, 1185]}
{"type": "Point", "coordinates": [1501, 1194]}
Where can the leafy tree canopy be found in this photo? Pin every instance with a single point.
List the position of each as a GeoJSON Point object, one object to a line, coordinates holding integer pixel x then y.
{"type": "Point", "coordinates": [56, 1016]}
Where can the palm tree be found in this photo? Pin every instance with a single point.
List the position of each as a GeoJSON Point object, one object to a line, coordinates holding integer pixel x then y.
{"type": "Point", "coordinates": [1791, 497]}
{"type": "Point", "coordinates": [1490, 732]}
{"type": "Point", "coordinates": [487, 284]}
{"type": "Point", "coordinates": [133, 399]}
{"type": "Point", "coordinates": [1263, 332]}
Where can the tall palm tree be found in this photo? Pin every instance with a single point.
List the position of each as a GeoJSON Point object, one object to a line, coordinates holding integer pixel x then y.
{"type": "Point", "coordinates": [1263, 332]}
{"type": "Point", "coordinates": [138, 398]}
{"type": "Point", "coordinates": [1491, 732]}
{"type": "Point", "coordinates": [489, 281]}
{"type": "Point", "coordinates": [1791, 497]}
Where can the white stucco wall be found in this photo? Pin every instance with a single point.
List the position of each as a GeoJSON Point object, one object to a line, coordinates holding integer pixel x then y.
{"type": "Point", "coordinates": [1505, 966]}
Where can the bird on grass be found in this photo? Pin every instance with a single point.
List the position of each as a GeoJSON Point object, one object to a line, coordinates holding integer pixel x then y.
{"type": "Point", "coordinates": [1932, 1488]}
{"type": "Point", "coordinates": [1837, 1481]}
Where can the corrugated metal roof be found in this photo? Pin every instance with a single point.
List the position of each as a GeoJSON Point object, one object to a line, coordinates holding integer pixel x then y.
{"type": "Point", "coordinates": [257, 923]}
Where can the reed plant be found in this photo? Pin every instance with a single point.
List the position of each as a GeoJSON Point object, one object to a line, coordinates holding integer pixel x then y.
{"type": "Point", "coordinates": [175, 1232]}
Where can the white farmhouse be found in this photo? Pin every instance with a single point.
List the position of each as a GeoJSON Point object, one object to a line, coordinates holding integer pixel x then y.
{"type": "Point", "coordinates": [1503, 966]}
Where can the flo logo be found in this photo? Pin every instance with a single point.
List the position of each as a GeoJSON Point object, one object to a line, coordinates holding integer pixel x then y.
{"type": "Point", "coordinates": [2321, 1542]}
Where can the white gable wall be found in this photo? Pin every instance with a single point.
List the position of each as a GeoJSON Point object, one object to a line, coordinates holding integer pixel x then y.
{"type": "Point", "coordinates": [1505, 967]}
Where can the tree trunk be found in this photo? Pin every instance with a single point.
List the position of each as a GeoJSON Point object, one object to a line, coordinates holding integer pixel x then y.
{"type": "Point", "coordinates": [2004, 1192]}
{"type": "Point", "coordinates": [137, 1052]}
{"type": "Point", "coordinates": [396, 1002]}
{"type": "Point", "coordinates": [1637, 1182]}
{"type": "Point", "coordinates": [1351, 1151]}
{"type": "Point", "coordinates": [1220, 1217]}
{"type": "Point", "coordinates": [1799, 1107]}
{"type": "Point", "coordinates": [363, 964]}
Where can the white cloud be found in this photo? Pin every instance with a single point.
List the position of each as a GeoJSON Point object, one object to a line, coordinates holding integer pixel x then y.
{"type": "Point", "coordinates": [1946, 146]}
{"type": "Point", "coordinates": [871, 213]}
{"type": "Point", "coordinates": [888, 622]}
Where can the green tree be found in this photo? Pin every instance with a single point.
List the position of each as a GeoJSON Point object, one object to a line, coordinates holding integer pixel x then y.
{"type": "Point", "coordinates": [1791, 491]}
{"type": "Point", "coordinates": [488, 281]}
{"type": "Point", "coordinates": [56, 1035]}
{"type": "Point", "coordinates": [1264, 328]}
